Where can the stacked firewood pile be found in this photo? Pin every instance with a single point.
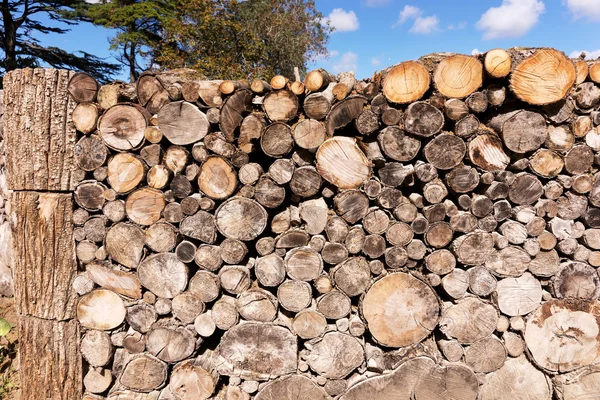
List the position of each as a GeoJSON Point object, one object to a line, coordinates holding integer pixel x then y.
{"type": "Point", "coordinates": [430, 233]}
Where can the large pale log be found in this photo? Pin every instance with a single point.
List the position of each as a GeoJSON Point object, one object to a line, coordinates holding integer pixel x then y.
{"type": "Point", "coordinates": [458, 76]}
{"type": "Point", "coordinates": [543, 78]}
{"type": "Point", "coordinates": [341, 162]}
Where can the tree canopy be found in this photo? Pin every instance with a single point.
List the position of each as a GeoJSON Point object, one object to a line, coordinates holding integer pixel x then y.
{"type": "Point", "coordinates": [219, 38]}
{"type": "Point", "coordinates": [20, 25]}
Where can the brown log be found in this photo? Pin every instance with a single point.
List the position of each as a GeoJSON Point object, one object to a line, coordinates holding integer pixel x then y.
{"type": "Point", "coordinates": [217, 178]}
{"type": "Point", "coordinates": [406, 82]}
{"type": "Point", "coordinates": [85, 116]}
{"type": "Point", "coordinates": [151, 93]}
{"type": "Point", "coordinates": [123, 283]}
{"type": "Point", "coordinates": [277, 140]}
{"type": "Point", "coordinates": [90, 153]}
{"type": "Point", "coordinates": [83, 87]}
{"type": "Point", "coordinates": [317, 79]}
{"type": "Point", "coordinates": [458, 76]}
{"type": "Point", "coordinates": [309, 134]}
{"type": "Point", "coordinates": [125, 172]}
{"type": "Point", "coordinates": [334, 305]}
{"type": "Point", "coordinates": [317, 105]}
{"type": "Point", "coordinates": [281, 105]}
{"type": "Point", "coordinates": [422, 119]}
{"type": "Point", "coordinates": [543, 78]}
{"type": "Point", "coordinates": [343, 113]}
{"type": "Point", "coordinates": [233, 111]}
{"type": "Point", "coordinates": [445, 151]}
{"type": "Point", "coordinates": [497, 63]}
{"type": "Point", "coordinates": [122, 127]}
{"type": "Point", "coordinates": [144, 206]}
{"type": "Point", "coordinates": [305, 181]}
{"type": "Point", "coordinates": [397, 145]}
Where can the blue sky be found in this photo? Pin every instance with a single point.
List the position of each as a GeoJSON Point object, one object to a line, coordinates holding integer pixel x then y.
{"type": "Point", "coordinates": [373, 34]}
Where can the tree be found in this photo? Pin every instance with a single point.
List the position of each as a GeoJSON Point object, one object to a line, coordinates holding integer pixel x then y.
{"type": "Point", "coordinates": [138, 24]}
{"type": "Point", "coordinates": [233, 39]}
{"type": "Point", "coordinates": [21, 49]}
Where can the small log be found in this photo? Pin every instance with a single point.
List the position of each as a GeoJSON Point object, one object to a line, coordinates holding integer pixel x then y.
{"type": "Point", "coordinates": [241, 219]}
{"type": "Point", "coordinates": [294, 295]}
{"type": "Point", "coordinates": [234, 279]}
{"type": "Point", "coordinates": [485, 151]}
{"type": "Point", "coordinates": [309, 134]}
{"type": "Point", "coordinates": [151, 93]}
{"type": "Point", "coordinates": [143, 373]}
{"type": "Point", "coordinates": [519, 296]}
{"type": "Point", "coordinates": [334, 305]}
{"type": "Point", "coordinates": [140, 317]}
{"type": "Point", "coordinates": [277, 140]}
{"type": "Point", "coordinates": [445, 151]}
{"type": "Point", "coordinates": [122, 127]}
{"type": "Point", "coordinates": [352, 276]}
{"type": "Point", "coordinates": [380, 316]}
{"type": "Point", "coordinates": [458, 76]}
{"type": "Point", "coordinates": [125, 172]}
{"type": "Point", "coordinates": [270, 270]}
{"type": "Point", "coordinates": [96, 348]}
{"type": "Point", "coordinates": [85, 116]}
{"type": "Point", "coordinates": [200, 226]}
{"type": "Point", "coordinates": [257, 305]}
{"type": "Point", "coordinates": [351, 205]}
{"type": "Point", "coordinates": [543, 78]}
{"type": "Point", "coordinates": [306, 181]}
{"type": "Point", "coordinates": [343, 113]}
{"type": "Point", "coordinates": [83, 87]}
{"type": "Point", "coordinates": [217, 178]}
{"type": "Point", "coordinates": [456, 283]}
{"type": "Point", "coordinates": [90, 153]}
{"type": "Point", "coordinates": [317, 105]}
{"type": "Point", "coordinates": [423, 119]}
{"type": "Point", "coordinates": [341, 162]}
{"type": "Point", "coordinates": [182, 123]}
{"type": "Point", "coordinates": [309, 324]}
{"type": "Point", "coordinates": [397, 145]}
{"type": "Point", "coordinates": [497, 63]}
{"type": "Point", "coordinates": [576, 280]}
{"type": "Point", "coordinates": [205, 285]}
{"type": "Point", "coordinates": [486, 355]}
{"type": "Point", "coordinates": [123, 283]}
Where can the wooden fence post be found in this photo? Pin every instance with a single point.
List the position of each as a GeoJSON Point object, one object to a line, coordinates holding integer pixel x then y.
{"type": "Point", "coordinates": [40, 141]}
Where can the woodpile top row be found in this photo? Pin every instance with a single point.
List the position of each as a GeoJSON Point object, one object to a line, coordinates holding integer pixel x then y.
{"type": "Point", "coordinates": [432, 232]}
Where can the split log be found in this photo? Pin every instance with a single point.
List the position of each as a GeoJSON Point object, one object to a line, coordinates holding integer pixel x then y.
{"type": "Point", "coordinates": [182, 123]}
{"type": "Point", "coordinates": [469, 320]}
{"type": "Point", "coordinates": [341, 162]}
{"type": "Point", "coordinates": [125, 172]}
{"type": "Point", "coordinates": [123, 283]}
{"type": "Point", "coordinates": [170, 344]}
{"type": "Point", "coordinates": [233, 111]}
{"type": "Point", "coordinates": [343, 113]}
{"type": "Point", "coordinates": [125, 244]}
{"type": "Point", "coordinates": [151, 93]}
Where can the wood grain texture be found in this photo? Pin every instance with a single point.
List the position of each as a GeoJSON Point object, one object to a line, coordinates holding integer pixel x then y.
{"type": "Point", "coordinates": [44, 254]}
{"type": "Point", "coordinates": [41, 135]}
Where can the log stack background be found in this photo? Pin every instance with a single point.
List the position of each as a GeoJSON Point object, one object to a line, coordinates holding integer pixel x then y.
{"type": "Point", "coordinates": [432, 232]}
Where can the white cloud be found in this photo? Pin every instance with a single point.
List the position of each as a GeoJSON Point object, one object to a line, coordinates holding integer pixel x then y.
{"type": "Point", "coordinates": [425, 25]}
{"type": "Point", "coordinates": [408, 12]}
{"type": "Point", "coordinates": [375, 62]}
{"type": "Point", "coordinates": [342, 21]}
{"type": "Point", "coordinates": [584, 9]}
{"type": "Point", "coordinates": [334, 53]}
{"type": "Point", "coordinates": [475, 51]}
{"type": "Point", "coordinates": [589, 55]}
{"type": "Point", "coordinates": [376, 3]}
{"type": "Point", "coordinates": [512, 19]}
{"type": "Point", "coordinates": [347, 62]}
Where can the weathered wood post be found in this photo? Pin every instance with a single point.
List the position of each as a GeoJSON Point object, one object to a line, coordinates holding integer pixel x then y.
{"type": "Point", "coordinates": [40, 141]}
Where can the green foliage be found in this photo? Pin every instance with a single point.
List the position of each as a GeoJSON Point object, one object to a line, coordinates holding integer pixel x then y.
{"type": "Point", "coordinates": [219, 38]}
{"type": "Point", "coordinates": [21, 49]}
{"type": "Point", "coordinates": [5, 327]}
{"type": "Point", "coordinates": [138, 24]}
